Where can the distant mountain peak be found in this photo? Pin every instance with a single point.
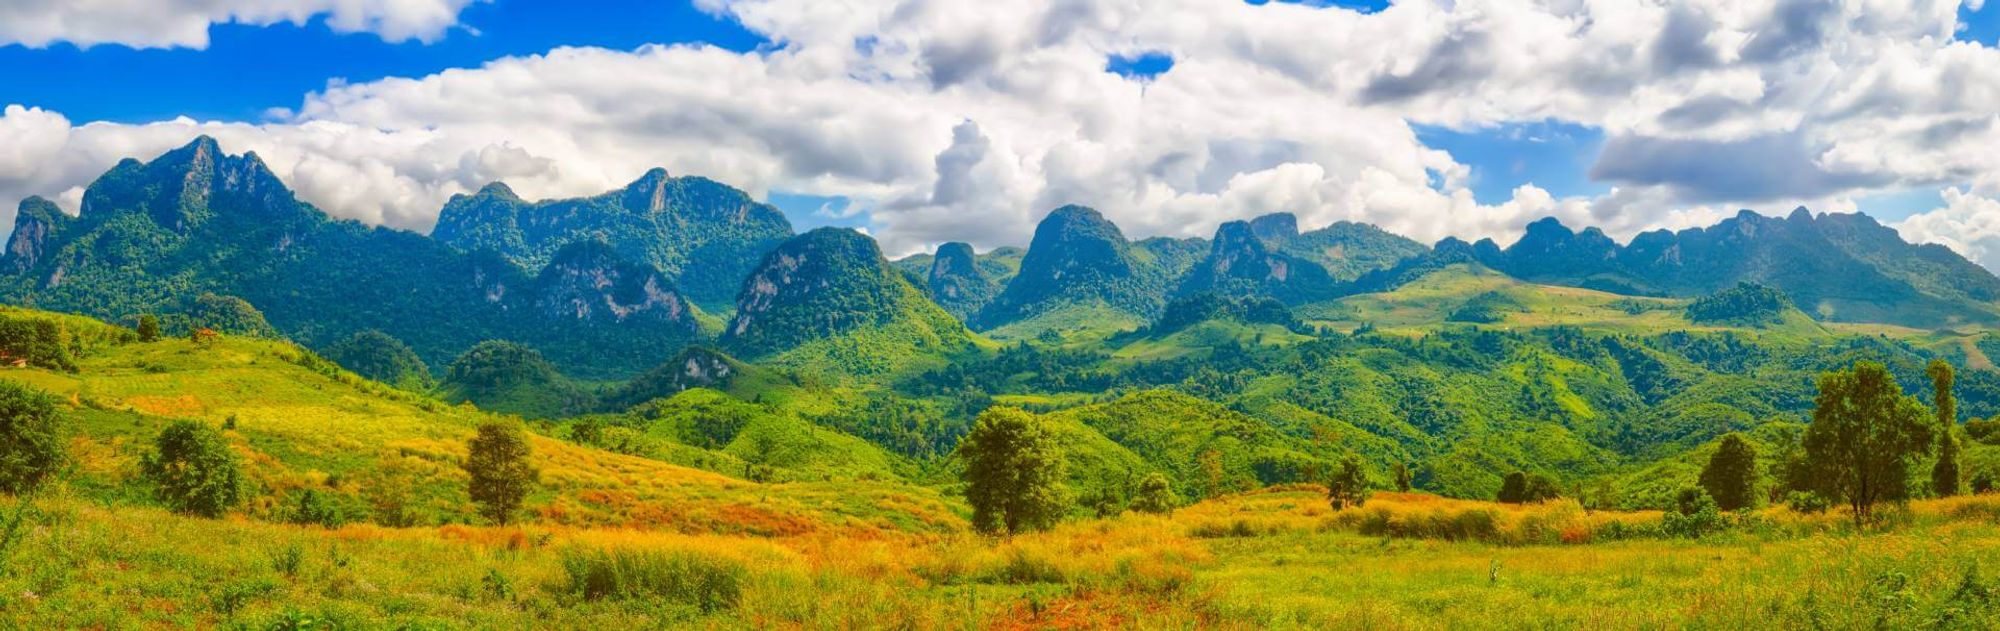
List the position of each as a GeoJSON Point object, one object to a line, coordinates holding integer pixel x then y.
{"type": "Point", "coordinates": [498, 189]}
{"type": "Point", "coordinates": [1240, 265]}
{"type": "Point", "coordinates": [701, 234]}
{"type": "Point", "coordinates": [1275, 226]}
{"type": "Point", "coordinates": [1078, 257]}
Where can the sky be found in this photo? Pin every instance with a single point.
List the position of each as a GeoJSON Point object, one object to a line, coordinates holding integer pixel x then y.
{"type": "Point", "coordinates": [924, 121]}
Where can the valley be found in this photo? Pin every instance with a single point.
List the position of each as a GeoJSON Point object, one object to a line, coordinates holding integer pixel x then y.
{"type": "Point", "coordinates": [702, 419]}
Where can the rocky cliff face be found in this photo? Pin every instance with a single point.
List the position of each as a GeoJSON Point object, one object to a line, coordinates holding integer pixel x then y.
{"type": "Point", "coordinates": [587, 281]}
{"type": "Point", "coordinates": [36, 226]}
{"type": "Point", "coordinates": [1240, 264]}
{"type": "Point", "coordinates": [956, 281]}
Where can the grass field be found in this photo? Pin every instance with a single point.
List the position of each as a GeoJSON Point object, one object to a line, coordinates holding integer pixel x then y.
{"type": "Point", "coordinates": [1271, 559]}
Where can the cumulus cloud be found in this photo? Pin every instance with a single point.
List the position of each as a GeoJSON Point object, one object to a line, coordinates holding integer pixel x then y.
{"type": "Point", "coordinates": [951, 120]}
{"type": "Point", "coordinates": [1967, 223]}
{"type": "Point", "coordinates": [184, 23]}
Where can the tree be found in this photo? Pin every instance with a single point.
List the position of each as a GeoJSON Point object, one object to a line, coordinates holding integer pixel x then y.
{"type": "Point", "coordinates": [1865, 433]}
{"type": "Point", "coordinates": [149, 328]}
{"type": "Point", "coordinates": [1403, 477]}
{"type": "Point", "coordinates": [1731, 474]}
{"type": "Point", "coordinates": [1013, 472]}
{"type": "Point", "coordinates": [1156, 495]}
{"type": "Point", "coordinates": [497, 460]}
{"type": "Point", "coordinates": [33, 432]}
{"type": "Point", "coordinates": [1349, 484]}
{"type": "Point", "coordinates": [1521, 487]}
{"type": "Point", "coordinates": [1945, 474]}
{"type": "Point", "coordinates": [1513, 488]}
{"type": "Point", "coordinates": [193, 469]}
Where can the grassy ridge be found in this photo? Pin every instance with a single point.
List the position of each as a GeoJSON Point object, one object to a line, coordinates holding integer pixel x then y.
{"type": "Point", "coordinates": [299, 423]}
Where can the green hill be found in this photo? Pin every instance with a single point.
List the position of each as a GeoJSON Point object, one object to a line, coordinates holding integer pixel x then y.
{"type": "Point", "coordinates": [386, 455]}
{"type": "Point", "coordinates": [1081, 264]}
{"type": "Point", "coordinates": [826, 301]}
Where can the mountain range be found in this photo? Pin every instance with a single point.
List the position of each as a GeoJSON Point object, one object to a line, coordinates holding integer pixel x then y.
{"type": "Point", "coordinates": [611, 285]}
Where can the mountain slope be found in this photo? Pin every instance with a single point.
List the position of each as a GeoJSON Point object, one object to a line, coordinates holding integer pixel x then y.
{"type": "Point", "coordinates": [389, 456]}
{"type": "Point", "coordinates": [705, 236]}
{"type": "Point", "coordinates": [1346, 250]}
{"type": "Point", "coordinates": [1079, 261]}
{"type": "Point", "coordinates": [828, 301]}
{"type": "Point", "coordinates": [1240, 265]}
{"type": "Point", "coordinates": [152, 236]}
{"type": "Point", "coordinates": [1844, 268]}
{"type": "Point", "coordinates": [958, 282]}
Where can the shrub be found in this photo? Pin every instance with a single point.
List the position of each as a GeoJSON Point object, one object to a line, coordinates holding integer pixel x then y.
{"type": "Point", "coordinates": [684, 577]}
{"type": "Point", "coordinates": [1156, 495]}
{"type": "Point", "coordinates": [1349, 484]}
{"type": "Point", "coordinates": [1695, 515]}
{"type": "Point", "coordinates": [1521, 487]}
{"type": "Point", "coordinates": [33, 432]}
{"type": "Point", "coordinates": [193, 470]}
{"type": "Point", "coordinates": [314, 508]}
{"type": "Point", "coordinates": [1807, 502]}
{"type": "Point", "coordinates": [149, 328]}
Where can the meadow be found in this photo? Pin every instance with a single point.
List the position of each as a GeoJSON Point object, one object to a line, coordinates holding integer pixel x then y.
{"type": "Point", "coordinates": [1278, 558]}
{"type": "Point", "coordinates": [618, 540]}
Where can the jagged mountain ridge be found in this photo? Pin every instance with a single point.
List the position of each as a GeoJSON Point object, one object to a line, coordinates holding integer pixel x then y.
{"type": "Point", "coordinates": [151, 235]}
{"type": "Point", "coordinates": [703, 235]}
{"type": "Point", "coordinates": [1838, 267]}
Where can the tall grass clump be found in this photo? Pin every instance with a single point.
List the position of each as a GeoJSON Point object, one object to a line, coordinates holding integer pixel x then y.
{"type": "Point", "coordinates": [705, 582]}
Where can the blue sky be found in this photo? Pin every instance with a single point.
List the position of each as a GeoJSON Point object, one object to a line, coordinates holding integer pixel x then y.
{"type": "Point", "coordinates": [965, 120]}
{"type": "Point", "coordinates": [247, 70]}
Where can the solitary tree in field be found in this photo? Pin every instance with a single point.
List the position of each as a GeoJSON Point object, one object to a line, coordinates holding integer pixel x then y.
{"type": "Point", "coordinates": [32, 435]}
{"type": "Point", "coordinates": [497, 460]}
{"type": "Point", "coordinates": [1403, 477]}
{"type": "Point", "coordinates": [149, 328]}
{"type": "Point", "coordinates": [1349, 484]}
{"type": "Point", "coordinates": [1513, 488]}
{"type": "Point", "coordinates": [1013, 473]}
{"type": "Point", "coordinates": [1156, 495]}
{"type": "Point", "coordinates": [1865, 433]}
{"type": "Point", "coordinates": [193, 469]}
{"type": "Point", "coordinates": [1731, 474]}
{"type": "Point", "coordinates": [1945, 475]}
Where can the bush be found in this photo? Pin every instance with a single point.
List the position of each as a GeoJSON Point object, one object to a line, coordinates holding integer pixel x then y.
{"type": "Point", "coordinates": [149, 328]}
{"type": "Point", "coordinates": [684, 577]}
{"type": "Point", "coordinates": [33, 435]}
{"type": "Point", "coordinates": [314, 508]}
{"type": "Point", "coordinates": [1695, 515]}
{"type": "Point", "coordinates": [193, 470]}
{"type": "Point", "coordinates": [1155, 495]}
{"type": "Point", "coordinates": [1807, 502]}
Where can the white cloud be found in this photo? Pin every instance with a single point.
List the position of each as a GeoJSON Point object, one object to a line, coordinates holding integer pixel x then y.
{"type": "Point", "coordinates": [184, 23]}
{"type": "Point", "coordinates": [1967, 223]}
{"type": "Point", "coordinates": [949, 120]}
